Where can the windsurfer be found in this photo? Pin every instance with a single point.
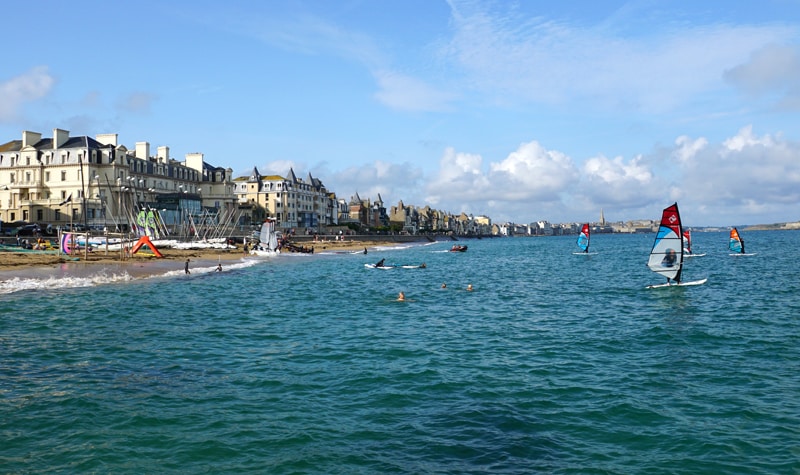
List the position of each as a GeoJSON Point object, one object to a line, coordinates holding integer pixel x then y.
{"type": "Point", "coordinates": [670, 258]}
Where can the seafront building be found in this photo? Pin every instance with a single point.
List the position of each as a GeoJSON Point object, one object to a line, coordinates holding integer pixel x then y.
{"type": "Point", "coordinates": [95, 182]}
{"type": "Point", "coordinates": [100, 184]}
{"type": "Point", "coordinates": [295, 204]}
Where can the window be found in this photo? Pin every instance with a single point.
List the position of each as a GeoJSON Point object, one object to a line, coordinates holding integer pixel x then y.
{"type": "Point", "coordinates": [39, 215]}
{"type": "Point", "coordinates": [63, 175]}
{"type": "Point", "coordinates": [46, 176]}
{"type": "Point", "coordinates": [58, 215]}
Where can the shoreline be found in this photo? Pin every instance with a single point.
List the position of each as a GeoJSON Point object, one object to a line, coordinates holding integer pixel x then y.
{"type": "Point", "coordinates": [44, 265]}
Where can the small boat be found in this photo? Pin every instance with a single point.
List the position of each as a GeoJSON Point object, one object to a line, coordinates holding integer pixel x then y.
{"type": "Point", "coordinates": [687, 245]}
{"type": "Point", "coordinates": [267, 241]}
{"type": "Point", "coordinates": [736, 244]}
{"type": "Point", "coordinates": [666, 256]}
{"type": "Point", "coordinates": [583, 241]}
{"type": "Point", "coordinates": [458, 248]}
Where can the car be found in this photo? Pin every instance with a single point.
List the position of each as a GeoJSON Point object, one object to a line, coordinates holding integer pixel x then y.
{"type": "Point", "coordinates": [28, 230]}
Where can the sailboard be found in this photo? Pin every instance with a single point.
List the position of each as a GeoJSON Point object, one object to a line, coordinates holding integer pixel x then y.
{"type": "Point", "coordinates": [666, 256]}
{"type": "Point", "coordinates": [687, 245]}
{"type": "Point", "coordinates": [584, 239]}
{"type": "Point", "coordinates": [736, 244]}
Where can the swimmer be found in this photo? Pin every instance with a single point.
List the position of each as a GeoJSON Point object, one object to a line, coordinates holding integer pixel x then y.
{"type": "Point", "coordinates": [444, 286]}
{"type": "Point", "coordinates": [469, 287]}
{"type": "Point", "coordinates": [401, 297]}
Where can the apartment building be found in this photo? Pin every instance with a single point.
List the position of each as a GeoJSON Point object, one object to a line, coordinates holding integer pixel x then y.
{"type": "Point", "coordinates": [294, 203]}
{"type": "Point", "coordinates": [97, 181]}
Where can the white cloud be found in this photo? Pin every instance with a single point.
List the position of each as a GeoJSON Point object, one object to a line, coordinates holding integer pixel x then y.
{"type": "Point", "coordinates": [28, 87]}
{"type": "Point", "coordinates": [599, 66]}
{"type": "Point", "coordinates": [407, 93]}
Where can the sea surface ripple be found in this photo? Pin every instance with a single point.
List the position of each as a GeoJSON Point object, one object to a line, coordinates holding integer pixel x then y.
{"type": "Point", "coordinates": [555, 363]}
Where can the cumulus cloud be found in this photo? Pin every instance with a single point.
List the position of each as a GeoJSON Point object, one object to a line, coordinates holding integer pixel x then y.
{"type": "Point", "coordinates": [27, 87]}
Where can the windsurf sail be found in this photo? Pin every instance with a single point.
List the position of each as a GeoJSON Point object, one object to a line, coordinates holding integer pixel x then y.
{"type": "Point", "coordinates": [666, 257]}
{"type": "Point", "coordinates": [583, 238]}
{"type": "Point", "coordinates": [687, 241]}
{"type": "Point", "coordinates": [736, 243]}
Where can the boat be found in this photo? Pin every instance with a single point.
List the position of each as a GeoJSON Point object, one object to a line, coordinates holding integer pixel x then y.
{"type": "Point", "coordinates": [666, 256]}
{"type": "Point", "coordinates": [687, 245]}
{"type": "Point", "coordinates": [736, 244]}
{"type": "Point", "coordinates": [583, 241]}
{"type": "Point", "coordinates": [267, 241]}
{"type": "Point", "coordinates": [458, 248]}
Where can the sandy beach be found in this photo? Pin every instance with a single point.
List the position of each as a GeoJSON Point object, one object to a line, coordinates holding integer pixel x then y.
{"type": "Point", "coordinates": [38, 264]}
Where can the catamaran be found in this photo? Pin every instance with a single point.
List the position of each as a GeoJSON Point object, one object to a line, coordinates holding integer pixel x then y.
{"type": "Point", "coordinates": [666, 257]}
{"type": "Point", "coordinates": [583, 240]}
{"type": "Point", "coordinates": [687, 245]}
{"type": "Point", "coordinates": [267, 241]}
{"type": "Point", "coordinates": [736, 244]}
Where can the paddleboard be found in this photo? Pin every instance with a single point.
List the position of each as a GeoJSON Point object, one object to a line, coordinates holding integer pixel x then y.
{"type": "Point", "coordinates": [693, 255]}
{"type": "Point", "coordinates": [740, 254]}
{"type": "Point", "coordinates": [584, 253]}
{"type": "Point", "coordinates": [682, 284]}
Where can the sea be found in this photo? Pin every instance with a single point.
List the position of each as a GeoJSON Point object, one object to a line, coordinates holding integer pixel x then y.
{"type": "Point", "coordinates": [555, 363]}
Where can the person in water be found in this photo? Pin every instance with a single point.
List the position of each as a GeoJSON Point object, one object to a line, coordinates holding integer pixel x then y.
{"type": "Point", "coordinates": [187, 267]}
{"type": "Point", "coordinates": [380, 263]}
{"type": "Point", "coordinates": [365, 250]}
{"type": "Point", "coordinates": [469, 287]}
{"type": "Point", "coordinates": [669, 258]}
{"type": "Point", "coordinates": [401, 297]}
{"type": "Point", "coordinates": [444, 285]}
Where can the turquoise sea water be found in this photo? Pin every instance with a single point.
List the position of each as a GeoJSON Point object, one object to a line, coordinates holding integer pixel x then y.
{"type": "Point", "coordinates": [555, 363]}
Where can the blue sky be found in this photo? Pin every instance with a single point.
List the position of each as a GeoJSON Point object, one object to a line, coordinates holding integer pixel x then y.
{"type": "Point", "coordinates": [522, 111]}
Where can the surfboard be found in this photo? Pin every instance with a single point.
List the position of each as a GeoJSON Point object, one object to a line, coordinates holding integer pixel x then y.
{"type": "Point", "coordinates": [682, 284]}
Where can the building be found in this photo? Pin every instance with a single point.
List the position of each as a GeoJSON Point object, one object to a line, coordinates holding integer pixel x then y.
{"type": "Point", "coordinates": [295, 204]}
{"type": "Point", "coordinates": [97, 182]}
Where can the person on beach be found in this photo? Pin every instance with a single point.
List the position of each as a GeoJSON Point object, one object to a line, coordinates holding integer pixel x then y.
{"type": "Point", "coordinates": [186, 268]}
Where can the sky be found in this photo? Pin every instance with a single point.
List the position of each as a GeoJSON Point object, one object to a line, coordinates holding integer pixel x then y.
{"type": "Point", "coordinates": [521, 111]}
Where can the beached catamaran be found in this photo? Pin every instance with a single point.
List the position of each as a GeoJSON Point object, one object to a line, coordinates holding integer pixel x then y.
{"type": "Point", "coordinates": [666, 257]}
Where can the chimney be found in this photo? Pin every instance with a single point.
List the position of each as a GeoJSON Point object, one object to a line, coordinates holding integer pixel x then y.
{"type": "Point", "coordinates": [143, 150]}
{"type": "Point", "coordinates": [163, 154]}
{"type": "Point", "coordinates": [30, 138]}
{"type": "Point", "coordinates": [60, 137]}
{"type": "Point", "coordinates": [107, 139]}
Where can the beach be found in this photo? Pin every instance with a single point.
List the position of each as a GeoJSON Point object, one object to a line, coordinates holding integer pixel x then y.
{"type": "Point", "coordinates": [36, 263]}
